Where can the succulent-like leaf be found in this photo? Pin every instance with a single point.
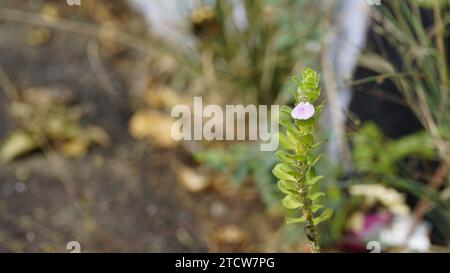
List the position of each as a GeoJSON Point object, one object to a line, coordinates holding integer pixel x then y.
{"type": "Point", "coordinates": [281, 172]}
{"type": "Point", "coordinates": [315, 160]}
{"type": "Point", "coordinates": [316, 196]}
{"type": "Point", "coordinates": [313, 180]}
{"type": "Point", "coordinates": [291, 201]}
{"type": "Point", "coordinates": [285, 142]}
{"type": "Point", "coordinates": [284, 156]}
{"type": "Point", "coordinates": [316, 207]}
{"type": "Point", "coordinates": [287, 187]}
{"type": "Point", "coordinates": [326, 214]}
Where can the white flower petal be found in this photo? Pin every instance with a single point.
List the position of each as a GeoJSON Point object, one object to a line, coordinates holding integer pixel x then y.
{"type": "Point", "coordinates": [303, 111]}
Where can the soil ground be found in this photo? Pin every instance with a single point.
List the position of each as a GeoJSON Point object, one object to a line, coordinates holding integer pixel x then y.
{"type": "Point", "coordinates": [122, 198]}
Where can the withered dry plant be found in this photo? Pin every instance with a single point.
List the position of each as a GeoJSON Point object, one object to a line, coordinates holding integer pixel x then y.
{"type": "Point", "coordinates": [44, 119]}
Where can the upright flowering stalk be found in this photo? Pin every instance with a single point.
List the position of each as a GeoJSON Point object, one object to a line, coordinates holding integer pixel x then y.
{"type": "Point", "coordinates": [296, 174]}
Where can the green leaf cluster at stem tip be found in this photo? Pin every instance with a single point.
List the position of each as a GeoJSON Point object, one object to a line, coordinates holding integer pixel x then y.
{"type": "Point", "coordinates": [296, 173]}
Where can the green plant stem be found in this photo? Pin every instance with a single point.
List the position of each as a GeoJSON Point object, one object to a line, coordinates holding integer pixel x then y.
{"type": "Point", "coordinates": [310, 228]}
{"type": "Point", "coordinates": [440, 44]}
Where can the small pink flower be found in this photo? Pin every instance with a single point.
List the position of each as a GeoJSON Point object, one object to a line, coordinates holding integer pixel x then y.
{"type": "Point", "coordinates": [303, 110]}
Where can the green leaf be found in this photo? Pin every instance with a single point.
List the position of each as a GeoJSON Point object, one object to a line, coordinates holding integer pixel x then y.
{"type": "Point", "coordinates": [291, 201]}
{"type": "Point", "coordinates": [293, 138]}
{"type": "Point", "coordinates": [284, 156]}
{"type": "Point", "coordinates": [315, 196]}
{"type": "Point", "coordinates": [316, 207]}
{"type": "Point", "coordinates": [294, 94]}
{"type": "Point", "coordinates": [306, 124]}
{"type": "Point", "coordinates": [300, 158]}
{"type": "Point", "coordinates": [290, 220]}
{"type": "Point", "coordinates": [319, 109]}
{"type": "Point", "coordinates": [296, 80]}
{"type": "Point", "coordinates": [289, 126]}
{"type": "Point", "coordinates": [285, 142]}
{"type": "Point", "coordinates": [313, 180]}
{"type": "Point", "coordinates": [420, 143]}
{"type": "Point", "coordinates": [295, 174]}
{"type": "Point", "coordinates": [287, 187]}
{"type": "Point", "coordinates": [281, 172]}
{"type": "Point", "coordinates": [305, 140]}
{"type": "Point", "coordinates": [311, 173]}
{"type": "Point", "coordinates": [314, 161]}
{"type": "Point", "coordinates": [302, 141]}
{"type": "Point", "coordinates": [309, 85]}
{"type": "Point", "coordinates": [326, 214]}
{"type": "Point", "coordinates": [286, 110]}
{"type": "Point", "coordinates": [315, 145]}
